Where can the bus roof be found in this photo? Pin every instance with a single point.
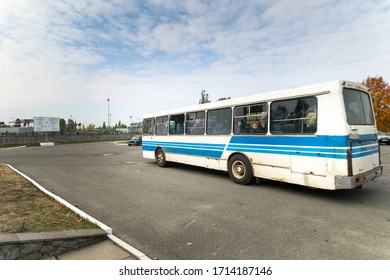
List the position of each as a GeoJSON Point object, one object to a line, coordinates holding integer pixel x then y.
{"type": "Point", "coordinates": [314, 89]}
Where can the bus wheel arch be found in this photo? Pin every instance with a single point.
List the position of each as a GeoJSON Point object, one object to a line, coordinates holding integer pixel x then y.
{"type": "Point", "coordinates": [160, 157]}
{"type": "Point", "coordinates": [240, 169]}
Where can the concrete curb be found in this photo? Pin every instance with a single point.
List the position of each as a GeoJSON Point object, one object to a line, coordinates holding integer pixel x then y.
{"type": "Point", "coordinates": [43, 245]}
{"type": "Point", "coordinates": [128, 247]}
{"type": "Point", "coordinates": [104, 227]}
{"type": "Point", "coordinates": [13, 148]}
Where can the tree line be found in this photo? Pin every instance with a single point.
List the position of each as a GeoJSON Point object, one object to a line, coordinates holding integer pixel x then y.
{"type": "Point", "coordinates": [380, 95]}
{"type": "Point", "coordinates": [73, 126]}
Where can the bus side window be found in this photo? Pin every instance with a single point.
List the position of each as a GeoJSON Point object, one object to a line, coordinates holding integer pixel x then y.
{"type": "Point", "coordinates": [294, 116]}
{"type": "Point", "coordinates": [219, 121]}
{"type": "Point", "coordinates": [251, 119]}
{"type": "Point", "coordinates": [195, 123]}
{"type": "Point", "coordinates": [176, 124]}
{"type": "Point", "coordinates": [162, 125]}
{"type": "Point", "coordinates": [148, 127]}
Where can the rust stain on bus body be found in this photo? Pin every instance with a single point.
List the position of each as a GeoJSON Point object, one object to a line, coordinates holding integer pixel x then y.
{"type": "Point", "coordinates": [278, 179]}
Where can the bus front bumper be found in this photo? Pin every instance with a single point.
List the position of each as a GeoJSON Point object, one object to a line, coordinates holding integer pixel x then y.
{"type": "Point", "coordinates": [356, 181]}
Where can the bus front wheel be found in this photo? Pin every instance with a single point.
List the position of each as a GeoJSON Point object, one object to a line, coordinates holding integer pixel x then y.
{"type": "Point", "coordinates": [160, 158]}
{"type": "Point", "coordinates": [240, 170]}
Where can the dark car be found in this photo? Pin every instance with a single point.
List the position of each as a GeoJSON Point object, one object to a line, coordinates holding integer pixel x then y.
{"type": "Point", "coordinates": [135, 141]}
{"type": "Point", "coordinates": [383, 138]}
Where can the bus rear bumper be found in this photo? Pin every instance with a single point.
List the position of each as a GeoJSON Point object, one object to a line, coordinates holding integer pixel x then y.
{"type": "Point", "coordinates": [356, 181]}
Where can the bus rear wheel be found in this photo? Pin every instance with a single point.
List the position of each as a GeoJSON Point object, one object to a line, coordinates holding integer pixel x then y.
{"type": "Point", "coordinates": [240, 170]}
{"type": "Point", "coordinates": [160, 158]}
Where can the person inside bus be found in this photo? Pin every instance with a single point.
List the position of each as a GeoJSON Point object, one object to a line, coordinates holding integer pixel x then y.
{"type": "Point", "coordinates": [353, 115]}
{"type": "Point", "coordinates": [310, 121]}
{"type": "Point", "coordinates": [255, 128]}
{"type": "Point", "coordinates": [243, 126]}
{"type": "Point", "coordinates": [198, 129]}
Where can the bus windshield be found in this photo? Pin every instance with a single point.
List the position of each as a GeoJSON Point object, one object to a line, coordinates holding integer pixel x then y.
{"type": "Point", "coordinates": [358, 107]}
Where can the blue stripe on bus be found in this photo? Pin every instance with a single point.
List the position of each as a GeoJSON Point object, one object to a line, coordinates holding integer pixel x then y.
{"type": "Point", "coordinates": [187, 144]}
{"type": "Point", "coordinates": [314, 146]}
{"type": "Point", "coordinates": [254, 147]}
{"type": "Point", "coordinates": [196, 149]}
{"type": "Point", "coordinates": [297, 151]}
{"type": "Point", "coordinates": [320, 140]}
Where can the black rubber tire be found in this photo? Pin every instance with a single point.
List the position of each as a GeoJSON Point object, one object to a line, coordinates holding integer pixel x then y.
{"type": "Point", "coordinates": [240, 170]}
{"type": "Point", "coordinates": [160, 158]}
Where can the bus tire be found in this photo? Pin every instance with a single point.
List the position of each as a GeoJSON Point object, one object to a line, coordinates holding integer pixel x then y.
{"type": "Point", "coordinates": [240, 170]}
{"type": "Point", "coordinates": [160, 158]}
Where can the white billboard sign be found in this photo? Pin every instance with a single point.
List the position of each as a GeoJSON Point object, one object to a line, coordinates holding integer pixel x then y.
{"type": "Point", "coordinates": [43, 124]}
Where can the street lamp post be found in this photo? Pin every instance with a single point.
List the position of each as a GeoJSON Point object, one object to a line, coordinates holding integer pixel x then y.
{"type": "Point", "coordinates": [108, 113]}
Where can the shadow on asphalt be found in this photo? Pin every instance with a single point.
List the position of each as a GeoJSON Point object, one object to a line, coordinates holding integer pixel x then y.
{"type": "Point", "coordinates": [368, 192]}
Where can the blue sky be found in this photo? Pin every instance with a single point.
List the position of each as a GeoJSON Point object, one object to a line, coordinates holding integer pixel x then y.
{"type": "Point", "coordinates": [65, 58]}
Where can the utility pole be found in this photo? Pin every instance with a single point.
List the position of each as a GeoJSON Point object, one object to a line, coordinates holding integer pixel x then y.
{"type": "Point", "coordinates": [108, 113]}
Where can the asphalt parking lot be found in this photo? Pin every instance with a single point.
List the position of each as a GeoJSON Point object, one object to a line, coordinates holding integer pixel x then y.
{"type": "Point", "coordinates": [184, 212]}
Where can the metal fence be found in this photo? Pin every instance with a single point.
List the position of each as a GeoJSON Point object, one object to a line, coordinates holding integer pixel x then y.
{"type": "Point", "coordinates": [31, 138]}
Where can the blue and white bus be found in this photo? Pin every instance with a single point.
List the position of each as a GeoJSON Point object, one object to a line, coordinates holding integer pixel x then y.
{"type": "Point", "coordinates": [320, 136]}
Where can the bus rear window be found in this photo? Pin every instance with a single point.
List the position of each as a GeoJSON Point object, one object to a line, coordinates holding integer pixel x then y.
{"type": "Point", "coordinates": [358, 107]}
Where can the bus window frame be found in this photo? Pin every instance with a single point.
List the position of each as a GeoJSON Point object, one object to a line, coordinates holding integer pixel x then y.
{"type": "Point", "coordinates": [196, 129]}
{"type": "Point", "coordinates": [166, 124]}
{"type": "Point", "coordinates": [152, 126]}
{"type": "Point", "coordinates": [293, 124]}
{"type": "Point", "coordinates": [351, 115]}
{"type": "Point", "coordinates": [258, 118]}
{"type": "Point", "coordinates": [178, 128]}
{"type": "Point", "coordinates": [223, 128]}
